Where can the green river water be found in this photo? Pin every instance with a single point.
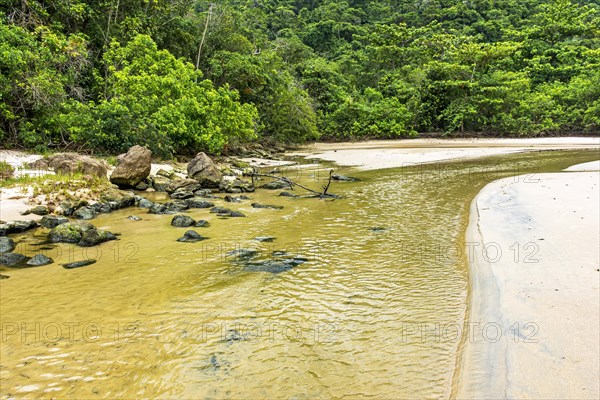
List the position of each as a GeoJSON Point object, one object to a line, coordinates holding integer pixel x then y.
{"type": "Point", "coordinates": [158, 318]}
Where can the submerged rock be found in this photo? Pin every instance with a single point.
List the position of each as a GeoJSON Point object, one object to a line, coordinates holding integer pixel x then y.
{"type": "Point", "coordinates": [274, 185]}
{"type": "Point", "coordinates": [288, 194]}
{"type": "Point", "coordinates": [39, 260]}
{"type": "Point", "coordinates": [134, 218]}
{"type": "Point", "coordinates": [13, 259]}
{"type": "Point", "coordinates": [264, 238]}
{"type": "Point", "coordinates": [52, 221]}
{"type": "Point", "coordinates": [6, 244]}
{"type": "Point", "coordinates": [241, 254]}
{"type": "Point", "coordinates": [4, 276]}
{"type": "Point", "coordinates": [78, 264]}
{"type": "Point", "coordinates": [257, 205]}
{"type": "Point", "coordinates": [191, 236]}
{"type": "Point", "coordinates": [201, 224]}
{"type": "Point", "coordinates": [198, 203]}
{"type": "Point", "coordinates": [182, 221]}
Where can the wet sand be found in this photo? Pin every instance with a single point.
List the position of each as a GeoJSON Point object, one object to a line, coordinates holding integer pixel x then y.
{"type": "Point", "coordinates": [537, 288]}
{"type": "Point", "coordinates": [381, 154]}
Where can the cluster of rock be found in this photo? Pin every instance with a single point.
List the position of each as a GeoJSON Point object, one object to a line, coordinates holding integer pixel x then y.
{"type": "Point", "coordinates": [81, 233]}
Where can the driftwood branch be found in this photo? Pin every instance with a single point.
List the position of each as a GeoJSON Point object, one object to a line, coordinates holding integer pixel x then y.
{"type": "Point", "coordinates": [292, 184]}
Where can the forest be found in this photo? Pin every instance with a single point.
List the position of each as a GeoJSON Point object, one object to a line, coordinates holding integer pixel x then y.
{"type": "Point", "coordinates": [182, 76]}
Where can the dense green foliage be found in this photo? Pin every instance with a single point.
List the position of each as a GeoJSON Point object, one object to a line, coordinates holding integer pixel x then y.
{"type": "Point", "coordinates": [186, 75]}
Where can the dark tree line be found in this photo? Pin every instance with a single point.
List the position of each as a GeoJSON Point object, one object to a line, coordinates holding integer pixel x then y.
{"type": "Point", "coordinates": [184, 75]}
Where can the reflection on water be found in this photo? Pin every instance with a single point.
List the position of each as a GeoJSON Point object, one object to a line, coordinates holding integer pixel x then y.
{"type": "Point", "coordinates": [373, 312]}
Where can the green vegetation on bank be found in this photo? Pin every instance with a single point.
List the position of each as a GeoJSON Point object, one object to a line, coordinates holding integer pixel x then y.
{"type": "Point", "coordinates": [188, 75]}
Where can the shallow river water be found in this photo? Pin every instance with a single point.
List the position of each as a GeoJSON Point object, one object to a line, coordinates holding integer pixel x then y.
{"type": "Point", "coordinates": [375, 312]}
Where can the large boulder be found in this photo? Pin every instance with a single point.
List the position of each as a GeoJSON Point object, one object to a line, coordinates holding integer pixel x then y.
{"type": "Point", "coordinates": [205, 171]}
{"type": "Point", "coordinates": [133, 168]}
{"type": "Point", "coordinates": [71, 163]}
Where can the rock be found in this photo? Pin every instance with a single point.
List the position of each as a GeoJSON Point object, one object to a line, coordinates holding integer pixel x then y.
{"type": "Point", "coordinates": [203, 193]}
{"type": "Point", "coordinates": [52, 221]}
{"type": "Point", "coordinates": [85, 213]}
{"type": "Point", "coordinates": [181, 194]}
{"type": "Point", "coordinates": [71, 163]}
{"type": "Point", "coordinates": [177, 205]}
{"type": "Point", "coordinates": [159, 209]}
{"type": "Point", "coordinates": [13, 260]}
{"type": "Point", "coordinates": [257, 205]}
{"type": "Point", "coordinates": [343, 178]}
{"type": "Point", "coordinates": [66, 209]}
{"type": "Point", "coordinates": [274, 266]}
{"type": "Point", "coordinates": [94, 237]}
{"type": "Point", "coordinates": [4, 276]}
{"type": "Point", "coordinates": [6, 244]}
{"type": "Point", "coordinates": [16, 227]}
{"type": "Point", "coordinates": [191, 236]}
{"type": "Point", "coordinates": [288, 194]}
{"type": "Point", "coordinates": [145, 203]}
{"type": "Point", "coordinates": [118, 199]}
{"type": "Point", "coordinates": [133, 168]}
{"type": "Point", "coordinates": [198, 203]}
{"type": "Point", "coordinates": [134, 218]}
{"type": "Point", "coordinates": [70, 232]}
{"type": "Point", "coordinates": [226, 212]}
{"type": "Point", "coordinates": [204, 170]}
{"type": "Point", "coordinates": [220, 210]}
{"type": "Point", "coordinates": [104, 208]}
{"type": "Point", "coordinates": [241, 254]}
{"type": "Point", "coordinates": [165, 173]}
{"type": "Point", "coordinates": [202, 224]}
{"type": "Point", "coordinates": [182, 221]}
{"type": "Point", "coordinates": [78, 264]}
{"type": "Point", "coordinates": [274, 185]}
{"type": "Point", "coordinates": [190, 185]}
{"type": "Point", "coordinates": [232, 199]}
{"type": "Point", "coordinates": [141, 186]}
{"type": "Point", "coordinates": [264, 238]}
{"type": "Point", "coordinates": [39, 260]}
{"type": "Point", "coordinates": [39, 210]}
{"type": "Point", "coordinates": [160, 183]}
{"type": "Point", "coordinates": [231, 184]}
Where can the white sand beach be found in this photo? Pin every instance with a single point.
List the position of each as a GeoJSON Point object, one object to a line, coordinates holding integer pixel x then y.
{"type": "Point", "coordinates": [540, 284]}
{"type": "Point", "coordinates": [379, 154]}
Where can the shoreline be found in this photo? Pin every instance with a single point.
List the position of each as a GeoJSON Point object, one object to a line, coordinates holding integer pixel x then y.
{"type": "Point", "coordinates": [542, 291]}
{"type": "Point", "coordinates": [382, 154]}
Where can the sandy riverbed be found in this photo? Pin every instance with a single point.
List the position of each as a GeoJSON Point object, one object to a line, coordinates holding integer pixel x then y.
{"type": "Point", "coordinates": [398, 153]}
{"type": "Point", "coordinates": [539, 284]}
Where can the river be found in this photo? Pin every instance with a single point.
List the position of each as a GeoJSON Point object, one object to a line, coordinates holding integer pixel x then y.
{"type": "Point", "coordinates": [377, 311]}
